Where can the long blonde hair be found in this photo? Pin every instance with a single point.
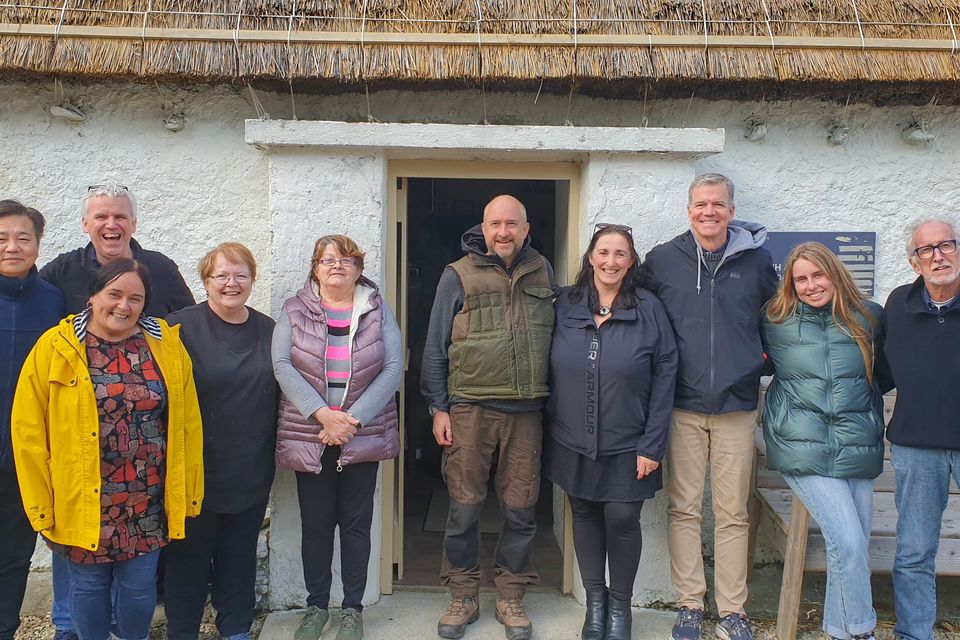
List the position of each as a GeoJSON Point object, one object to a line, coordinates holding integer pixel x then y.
{"type": "Point", "coordinates": [847, 301]}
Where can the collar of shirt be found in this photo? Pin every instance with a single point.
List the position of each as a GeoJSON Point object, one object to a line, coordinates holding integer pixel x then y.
{"type": "Point", "coordinates": [944, 308]}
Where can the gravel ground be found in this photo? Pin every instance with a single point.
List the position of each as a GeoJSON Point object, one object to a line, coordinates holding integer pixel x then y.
{"type": "Point", "coordinates": [39, 628]}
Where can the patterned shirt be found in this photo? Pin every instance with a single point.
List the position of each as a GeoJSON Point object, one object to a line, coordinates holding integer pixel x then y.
{"type": "Point", "coordinates": [131, 402]}
{"type": "Point", "coordinates": [338, 353]}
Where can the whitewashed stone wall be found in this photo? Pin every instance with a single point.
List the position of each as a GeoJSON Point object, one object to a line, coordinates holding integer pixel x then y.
{"type": "Point", "coordinates": [204, 185]}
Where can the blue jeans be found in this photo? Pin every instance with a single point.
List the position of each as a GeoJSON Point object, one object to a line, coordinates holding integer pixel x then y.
{"type": "Point", "coordinates": [843, 507]}
{"type": "Point", "coordinates": [92, 604]}
{"type": "Point", "coordinates": [923, 486]}
{"type": "Point", "coordinates": [60, 614]}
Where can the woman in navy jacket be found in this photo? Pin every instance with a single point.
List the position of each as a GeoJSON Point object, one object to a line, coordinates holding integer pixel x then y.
{"type": "Point", "coordinates": [613, 370]}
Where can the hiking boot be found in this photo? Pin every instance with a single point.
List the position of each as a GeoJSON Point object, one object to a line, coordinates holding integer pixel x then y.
{"type": "Point", "coordinates": [516, 624]}
{"type": "Point", "coordinates": [734, 626]}
{"type": "Point", "coordinates": [460, 612]}
{"type": "Point", "coordinates": [351, 626]}
{"type": "Point", "coordinates": [687, 626]}
{"type": "Point", "coordinates": [314, 620]}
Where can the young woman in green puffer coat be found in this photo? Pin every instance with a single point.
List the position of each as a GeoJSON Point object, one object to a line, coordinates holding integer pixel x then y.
{"type": "Point", "coordinates": [823, 419]}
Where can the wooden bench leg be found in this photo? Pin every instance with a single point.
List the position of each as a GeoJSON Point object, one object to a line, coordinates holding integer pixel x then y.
{"type": "Point", "coordinates": [793, 557]}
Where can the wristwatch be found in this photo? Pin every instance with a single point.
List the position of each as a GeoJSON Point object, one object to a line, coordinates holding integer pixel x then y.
{"type": "Point", "coordinates": [434, 409]}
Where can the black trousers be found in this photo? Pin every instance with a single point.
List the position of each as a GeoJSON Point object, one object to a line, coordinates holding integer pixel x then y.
{"type": "Point", "coordinates": [327, 500]}
{"type": "Point", "coordinates": [607, 531]}
{"type": "Point", "coordinates": [17, 540]}
{"type": "Point", "coordinates": [219, 556]}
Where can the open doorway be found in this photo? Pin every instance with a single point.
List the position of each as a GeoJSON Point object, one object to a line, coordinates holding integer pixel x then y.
{"type": "Point", "coordinates": [438, 211]}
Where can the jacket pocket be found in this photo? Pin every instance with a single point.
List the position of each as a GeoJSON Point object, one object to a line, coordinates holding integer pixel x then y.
{"type": "Point", "coordinates": [63, 375]}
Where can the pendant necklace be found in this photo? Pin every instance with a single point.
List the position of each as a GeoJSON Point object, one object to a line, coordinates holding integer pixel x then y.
{"type": "Point", "coordinates": [604, 311]}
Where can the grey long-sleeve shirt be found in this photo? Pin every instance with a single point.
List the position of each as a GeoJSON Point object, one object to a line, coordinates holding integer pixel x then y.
{"type": "Point", "coordinates": [308, 400]}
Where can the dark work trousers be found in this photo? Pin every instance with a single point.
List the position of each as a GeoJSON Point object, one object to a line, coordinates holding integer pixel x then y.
{"type": "Point", "coordinates": [607, 533]}
{"type": "Point", "coordinates": [17, 540]}
{"type": "Point", "coordinates": [330, 499]}
{"type": "Point", "coordinates": [466, 468]}
{"type": "Point", "coordinates": [219, 556]}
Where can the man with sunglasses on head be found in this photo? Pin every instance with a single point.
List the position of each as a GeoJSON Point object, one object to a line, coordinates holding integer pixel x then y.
{"type": "Point", "coordinates": [713, 280]}
{"type": "Point", "coordinates": [485, 376]}
{"type": "Point", "coordinates": [921, 348]}
{"type": "Point", "coordinates": [109, 218]}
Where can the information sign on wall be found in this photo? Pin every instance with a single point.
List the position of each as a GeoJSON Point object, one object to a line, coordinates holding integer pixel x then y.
{"type": "Point", "coordinates": [856, 249]}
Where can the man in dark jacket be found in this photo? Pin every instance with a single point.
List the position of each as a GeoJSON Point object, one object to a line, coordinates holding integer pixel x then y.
{"type": "Point", "coordinates": [713, 280]}
{"type": "Point", "coordinates": [110, 220]}
{"type": "Point", "coordinates": [923, 340]}
{"type": "Point", "coordinates": [28, 307]}
{"type": "Point", "coordinates": [485, 375]}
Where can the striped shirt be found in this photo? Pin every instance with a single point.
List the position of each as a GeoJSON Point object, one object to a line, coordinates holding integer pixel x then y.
{"type": "Point", "coordinates": [338, 353]}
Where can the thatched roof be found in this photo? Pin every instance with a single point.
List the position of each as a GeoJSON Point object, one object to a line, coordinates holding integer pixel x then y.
{"type": "Point", "coordinates": [607, 42]}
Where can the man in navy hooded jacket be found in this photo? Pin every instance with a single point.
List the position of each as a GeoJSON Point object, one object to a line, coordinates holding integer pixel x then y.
{"type": "Point", "coordinates": [28, 307]}
{"type": "Point", "coordinates": [713, 280]}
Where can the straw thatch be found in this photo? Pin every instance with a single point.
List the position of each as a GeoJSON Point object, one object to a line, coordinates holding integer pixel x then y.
{"type": "Point", "coordinates": [442, 41]}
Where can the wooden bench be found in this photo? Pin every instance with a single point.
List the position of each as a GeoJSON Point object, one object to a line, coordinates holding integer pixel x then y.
{"type": "Point", "coordinates": [796, 535]}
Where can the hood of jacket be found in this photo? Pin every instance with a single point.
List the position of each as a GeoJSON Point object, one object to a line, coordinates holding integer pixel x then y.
{"type": "Point", "coordinates": [472, 241]}
{"type": "Point", "coordinates": [742, 236]}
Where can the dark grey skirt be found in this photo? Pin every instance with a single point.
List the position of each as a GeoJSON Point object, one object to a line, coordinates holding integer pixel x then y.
{"type": "Point", "coordinates": [610, 478]}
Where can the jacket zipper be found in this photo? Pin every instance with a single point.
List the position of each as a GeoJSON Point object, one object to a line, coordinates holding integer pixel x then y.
{"type": "Point", "coordinates": [7, 439]}
{"type": "Point", "coordinates": [830, 426]}
{"type": "Point", "coordinates": [713, 286]}
{"type": "Point", "coordinates": [346, 388]}
{"type": "Point", "coordinates": [508, 317]}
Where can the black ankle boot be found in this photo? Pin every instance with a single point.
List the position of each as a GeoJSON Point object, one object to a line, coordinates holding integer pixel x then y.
{"type": "Point", "coordinates": [596, 618]}
{"type": "Point", "coordinates": [619, 619]}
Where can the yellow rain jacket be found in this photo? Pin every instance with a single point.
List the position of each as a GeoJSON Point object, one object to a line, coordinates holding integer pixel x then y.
{"type": "Point", "coordinates": [55, 432]}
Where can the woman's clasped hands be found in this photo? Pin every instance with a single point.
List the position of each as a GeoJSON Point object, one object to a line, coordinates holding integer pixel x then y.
{"type": "Point", "coordinates": [338, 426]}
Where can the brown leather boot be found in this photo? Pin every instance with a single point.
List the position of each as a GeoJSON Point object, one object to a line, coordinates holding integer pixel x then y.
{"type": "Point", "coordinates": [516, 624]}
{"type": "Point", "coordinates": [460, 612]}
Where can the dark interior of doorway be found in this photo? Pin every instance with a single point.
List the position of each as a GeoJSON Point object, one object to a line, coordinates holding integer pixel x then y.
{"type": "Point", "coordinates": [438, 212]}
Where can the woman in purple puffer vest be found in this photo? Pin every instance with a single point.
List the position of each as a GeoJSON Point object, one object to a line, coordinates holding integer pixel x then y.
{"type": "Point", "coordinates": [337, 355]}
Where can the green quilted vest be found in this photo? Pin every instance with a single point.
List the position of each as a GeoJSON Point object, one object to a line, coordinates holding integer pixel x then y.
{"type": "Point", "coordinates": [500, 343]}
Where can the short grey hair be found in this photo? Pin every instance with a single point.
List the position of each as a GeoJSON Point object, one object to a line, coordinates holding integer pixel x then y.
{"type": "Point", "coordinates": [111, 191]}
{"type": "Point", "coordinates": [710, 178]}
{"type": "Point", "coordinates": [916, 224]}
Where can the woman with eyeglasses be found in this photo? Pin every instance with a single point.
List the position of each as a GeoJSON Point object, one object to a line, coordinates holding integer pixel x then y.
{"type": "Point", "coordinates": [337, 354]}
{"type": "Point", "coordinates": [613, 366]}
{"type": "Point", "coordinates": [823, 418]}
{"type": "Point", "coordinates": [108, 448]}
{"type": "Point", "coordinates": [229, 344]}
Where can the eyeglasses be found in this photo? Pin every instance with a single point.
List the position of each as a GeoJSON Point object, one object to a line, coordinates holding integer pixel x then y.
{"type": "Point", "coordinates": [600, 226]}
{"type": "Point", "coordinates": [946, 248]}
{"type": "Point", "coordinates": [242, 279]}
{"type": "Point", "coordinates": [98, 187]}
{"type": "Point", "coordinates": [329, 261]}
